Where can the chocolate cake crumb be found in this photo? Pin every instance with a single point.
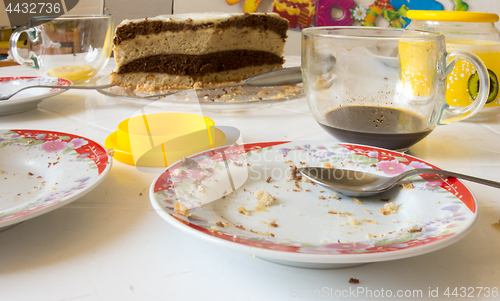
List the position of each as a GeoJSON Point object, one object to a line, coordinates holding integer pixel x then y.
{"type": "Point", "coordinates": [354, 281]}
{"type": "Point", "coordinates": [415, 230]}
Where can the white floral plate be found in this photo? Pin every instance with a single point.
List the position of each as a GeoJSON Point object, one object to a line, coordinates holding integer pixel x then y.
{"type": "Point", "coordinates": [308, 225]}
{"type": "Point", "coordinates": [30, 98]}
{"type": "Point", "coordinates": [44, 170]}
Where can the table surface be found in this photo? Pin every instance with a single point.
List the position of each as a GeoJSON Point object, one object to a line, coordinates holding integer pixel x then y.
{"type": "Point", "coordinates": [111, 244]}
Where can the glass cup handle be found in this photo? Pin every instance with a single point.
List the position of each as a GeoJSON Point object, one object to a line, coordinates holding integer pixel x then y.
{"type": "Point", "coordinates": [455, 113]}
{"type": "Point", "coordinates": [14, 38]}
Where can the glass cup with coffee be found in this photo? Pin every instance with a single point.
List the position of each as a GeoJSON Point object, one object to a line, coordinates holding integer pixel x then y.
{"type": "Point", "coordinates": [381, 86]}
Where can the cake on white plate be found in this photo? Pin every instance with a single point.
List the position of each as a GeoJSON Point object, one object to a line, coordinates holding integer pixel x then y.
{"type": "Point", "coordinates": [197, 50]}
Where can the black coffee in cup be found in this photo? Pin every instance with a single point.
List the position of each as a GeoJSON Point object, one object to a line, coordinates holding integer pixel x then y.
{"type": "Point", "coordinates": [384, 127]}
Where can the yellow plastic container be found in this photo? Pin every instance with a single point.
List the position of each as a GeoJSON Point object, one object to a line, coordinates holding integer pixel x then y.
{"type": "Point", "coordinates": [158, 140]}
{"type": "Point", "coordinates": [473, 32]}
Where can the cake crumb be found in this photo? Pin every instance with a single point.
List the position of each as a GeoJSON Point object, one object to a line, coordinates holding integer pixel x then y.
{"type": "Point", "coordinates": [273, 224]}
{"type": "Point", "coordinates": [110, 152]}
{"type": "Point", "coordinates": [415, 230]}
{"type": "Point", "coordinates": [321, 197]}
{"type": "Point", "coordinates": [384, 200]}
{"type": "Point", "coordinates": [390, 208]}
{"type": "Point", "coordinates": [181, 209]}
{"type": "Point", "coordinates": [243, 210]}
{"type": "Point", "coordinates": [328, 165]}
{"type": "Point", "coordinates": [295, 173]}
{"type": "Point", "coordinates": [334, 197]}
{"type": "Point", "coordinates": [339, 214]}
{"type": "Point", "coordinates": [240, 227]}
{"type": "Point", "coordinates": [2, 172]}
{"type": "Point", "coordinates": [408, 186]}
{"type": "Point", "coordinates": [264, 198]}
{"type": "Point", "coordinates": [496, 225]}
{"type": "Point", "coordinates": [354, 281]}
{"type": "Point", "coordinates": [369, 221]}
{"type": "Point", "coordinates": [306, 180]}
{"type": "Point", "coordinates": [323, 241]}
{"type": "Point", "coordinates": [357, 201]}
{"type": "Point", "coordinates": [268, 180]}
{"type": "Point", "coordinates": [353, 221]}
{"type": "Point", "coordinates": [265, 233]}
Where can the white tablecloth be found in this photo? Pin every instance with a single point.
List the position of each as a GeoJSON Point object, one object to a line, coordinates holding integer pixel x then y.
{"type": "Point", "coordinates": [111, 244]}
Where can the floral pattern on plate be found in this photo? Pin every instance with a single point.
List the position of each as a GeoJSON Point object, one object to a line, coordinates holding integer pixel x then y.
{"type": "Point", "coordinates": [46, 169]}
{"type": "Point", "coordinates": [432, 210]}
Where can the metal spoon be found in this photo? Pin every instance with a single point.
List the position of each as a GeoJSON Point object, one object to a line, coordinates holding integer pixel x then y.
{"type": "Point", "coordinates": [359, 183]}
{"type": "Point", "coordinates": [280, 77]}
{"type": "Point", "coordinates": [7, 96]}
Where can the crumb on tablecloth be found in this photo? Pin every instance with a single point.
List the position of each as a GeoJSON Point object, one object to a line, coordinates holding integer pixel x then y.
{"type": "Point", "coordinates": [496, 225]}
{"type": "Point", "coordinates": [354, 281]}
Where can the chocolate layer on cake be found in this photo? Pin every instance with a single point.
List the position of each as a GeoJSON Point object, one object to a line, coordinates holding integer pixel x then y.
{"type": "Point", "coordinates": [253, 21]}
{"type": "Point", "coordinates": [196, 65]}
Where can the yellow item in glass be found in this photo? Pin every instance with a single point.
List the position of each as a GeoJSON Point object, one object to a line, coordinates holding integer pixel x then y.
{"type": "Point", "coordinates": [418, 64]}
{"type": "Point", "coordinates": [460, 82]}
{"type": "Point", "coordinates": [74, 73]}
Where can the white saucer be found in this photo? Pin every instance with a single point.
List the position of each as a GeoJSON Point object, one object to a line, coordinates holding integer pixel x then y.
{"type": "Point", "coordinates": [30, 98]}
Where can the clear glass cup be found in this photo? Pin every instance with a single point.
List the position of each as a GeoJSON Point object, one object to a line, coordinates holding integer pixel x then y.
{"type": "Point", "coordinates": [473, 32]}
{"type": "Point", "coordinates": [71, 47]}
{"type": "Point", "coordinates": [380, 86]}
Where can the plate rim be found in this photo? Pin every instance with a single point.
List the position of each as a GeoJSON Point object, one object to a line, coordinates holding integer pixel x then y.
{"type": "Point", "coordinates": [331, 258]}
{"type": "Point", "coordinates": [31, 102]}
{"type": "Point", "coordinates": [64, 200]}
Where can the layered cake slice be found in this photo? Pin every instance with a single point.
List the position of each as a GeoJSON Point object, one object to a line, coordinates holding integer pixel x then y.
{"type": "Point", "coordinates": [197, 50]}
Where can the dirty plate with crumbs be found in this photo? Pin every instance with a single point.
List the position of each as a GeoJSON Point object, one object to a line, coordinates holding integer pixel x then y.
{"type": "Point", "coordinates": [251, 198]}
{"type": "Point", "coordinates": [225, 99]}
{"type": "Point", "coordinates": [44, 170]}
